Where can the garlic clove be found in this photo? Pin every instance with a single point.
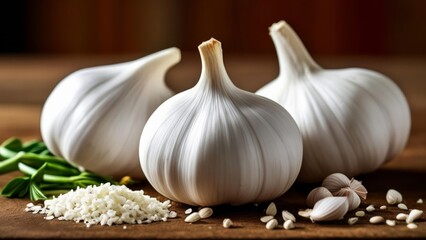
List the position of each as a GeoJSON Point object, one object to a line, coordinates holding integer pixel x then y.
{"type": "Point", "coordinates": [227, 223]}
{"type": "Point", "coordinates": [216, 144]}
{"type": "Point", "coordinates": [376, 220]}
{"type": "Point", "coordinates": [288, 224]}
{"type": "Point", "coordinates": [305, 213]}
{"type": "Point", "coordinates": [352, 220]}
{"type": "Point", "coordinates": [288, 216]}
{"type": "Point", "coordinates": [353, 199]}
{"type": "Point", "coordinates": [271, 210]}
{"type": "Point", "coordinates": [317, 194]}
{"type": "Point", "coordinates": [335, 182]}
{"type": "Point", "coordinates": [360, 214]}
{"type": "Point", "coordinates": [271, 224]}
{"type": "Point", "coordinates": [266, 219]}
{"type": "Point", "coordinates": [352, 120]}
{"type": "Point", "coordinates": [414, 215]}
{"type": "Point", "coordinates": [357, 187]}
{"type": "Point", "coordinates": [401, 216]}
{"type": "Point", "coordinates": [393, 197]}
{"type": "Point", "coordinates": [330, 209]}
{"type": "Point", "coordinates": [95, 116]}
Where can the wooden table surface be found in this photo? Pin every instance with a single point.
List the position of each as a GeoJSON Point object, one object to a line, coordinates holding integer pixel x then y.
{"type": "Point", "coordinates": [25, 82]}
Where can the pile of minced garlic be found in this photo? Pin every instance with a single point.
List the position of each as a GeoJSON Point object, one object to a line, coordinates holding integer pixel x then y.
{"type": "Point", "coordinates": [105, 205]}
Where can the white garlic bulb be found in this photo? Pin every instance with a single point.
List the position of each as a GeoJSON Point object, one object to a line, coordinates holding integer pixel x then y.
{"type": "Point", "coordinates": [94, 117]}
{"type": "Point", "coordinates": [329, 209]}
{"type": "Point", "coordinates": [351, 120]}
{"type": "Point", "coordinates": [216, 143]}
{"type": "Point", "coordinates": [340, 185]}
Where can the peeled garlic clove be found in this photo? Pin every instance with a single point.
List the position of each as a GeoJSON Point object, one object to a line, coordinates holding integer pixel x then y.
{"type": "Point", "coordinates": [288, 216]}
{"type": "Point", "coordinates": [205, 212]}
{"type": "Point", "coordinates": [352, 120]}
{"type": "Point", "coordinates": [317, 194]}
{"type": "Point", "coordinates": [414, 215]}
{"type": "Point", "coordinates": [330, 209]}
{"type": "Point", "coordinates": [335, 182]}
{"type": "Point", "coordinates": [95, 116]}
{"type": "Point", "coordinates": [215, 143]}
{"type": "Point", "coordinates": [227, 223]}
{"type": "Point", "coordinates": [288, 225]}
{"type": "Point", "coordinates": [401, 216]}
{"type": "Point", "coordinates": [393, 197]}
{"type": "Point", "coordinates": [271, 210]}
{"type": "Point", "coordinates": [271, 224]}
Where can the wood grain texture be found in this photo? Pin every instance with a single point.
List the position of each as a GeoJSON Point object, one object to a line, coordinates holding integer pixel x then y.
{"type": "Point", "coordinates": [34, 78]}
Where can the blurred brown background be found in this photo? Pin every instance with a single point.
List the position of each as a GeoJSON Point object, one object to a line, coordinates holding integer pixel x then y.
{"type": "Point", "coordinates": [374, 27]}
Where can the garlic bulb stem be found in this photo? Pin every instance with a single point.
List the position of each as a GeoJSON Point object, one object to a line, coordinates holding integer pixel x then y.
{"type": "Point", "coordinates": [294, 59]}
{"type": "Point", "coordinates": [213, 74]}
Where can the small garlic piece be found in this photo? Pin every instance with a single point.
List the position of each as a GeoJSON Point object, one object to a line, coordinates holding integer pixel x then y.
{"type": "Point", "coordinates": [305, 213]}
{"type": "Point", "coordinates": [205, 212]}
{"type": "Point", "coordinates": [414, 215]}
{"type": "Point", "coordinates": [317, 194]}
{"type": "Point", "coordinates": [95, 116]}
{"type": "Point", "coordinates": [390, 222]}
{"type": "Point", "coordinates": [401, 216]}
{"type": "Point", "coordinates": [288, 216]}
{"type": "Point", "coordinates": [329, 209]}
{"type": "Point", "coordinates": [402, 206]}
{"type": "Point", "coordinates": [412, 226]}
{"type": "Point", "coordinates": [419, 201]}
{"type": "Point", "coordinates": [271, 224]}
{"type": "Point", "coordinates": [288, 224]}
{"type": "Point", "coordinates": [352, 220]}
{"type": "Point", "coordinates": [370, 208]}
{"type": "Point", "coordinates": [217, 144]}
{"type": "Point", "coordinates": [227, 223]}
{"type": "Point", "coordinates": [271, 210]}
{"type": "Point", "coordinates": [353, 120]}
{"type": "Point", "coordinates": [193, 217]}
{"type": "Point", "coordinates": [383, 207]}
{"type": "Point", "coordinates": [393, 197]}
{"type": "Point", "coordinates": [360, 214]}
{"type": "Point", "coordinates": [188, 211]}
{"type": "Point", "coordinates": [266, 219]}
{"type": "Point", "coordinates": [377, 219]}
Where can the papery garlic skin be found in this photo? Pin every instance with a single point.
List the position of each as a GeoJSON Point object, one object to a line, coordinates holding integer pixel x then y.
{"type": "Point", "coordinates": [94, 117]}
{"type": "Point", "coordinates": [215, 143]}
{"type": "Point", "coordinates": [352, 120]}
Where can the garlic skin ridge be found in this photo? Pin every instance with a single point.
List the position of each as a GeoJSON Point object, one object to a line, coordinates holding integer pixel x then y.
{"type": "Point", "coordinates": [352, 120]}
{"type": "Point", "coordinates": [215, 143]}
{"type": "Point", "coordinates": [94, 117]}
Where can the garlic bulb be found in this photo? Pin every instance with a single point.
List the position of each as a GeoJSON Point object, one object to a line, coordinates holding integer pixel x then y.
{"type": "Point", "coordinates": [340, 185]}
{"type": "Point", "coordinates": [329, 209]}
{"type": "Point", "coordinates": [216, 143]}
{"type": "Point", "coordinates": [351, 120]}
{"type": "Point", "coordinates": [94, 117]}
